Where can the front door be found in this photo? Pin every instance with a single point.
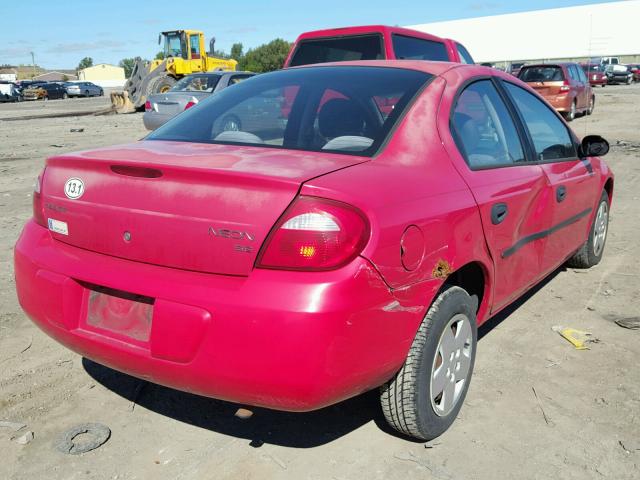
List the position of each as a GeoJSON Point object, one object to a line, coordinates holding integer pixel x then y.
{"type": "Point", "coordinates": [572, 182]}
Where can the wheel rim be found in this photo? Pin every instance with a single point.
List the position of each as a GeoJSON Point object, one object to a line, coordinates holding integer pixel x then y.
{"type": "Point", "coordinates": [591, 105]}
{"type": "Point", "coordinates": [572, 114]}
{"type": "Point", "coordinates": [600, 228]}
{"type": "Point", "coordinates": [451, 365]}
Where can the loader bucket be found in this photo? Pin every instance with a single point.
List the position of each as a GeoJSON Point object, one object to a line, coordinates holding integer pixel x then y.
{"type": "Point", "coordinates": [121, 103]}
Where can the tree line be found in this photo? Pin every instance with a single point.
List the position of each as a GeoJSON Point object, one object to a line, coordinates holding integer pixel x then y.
{"type": "Point", "coordinates": [264, 58]}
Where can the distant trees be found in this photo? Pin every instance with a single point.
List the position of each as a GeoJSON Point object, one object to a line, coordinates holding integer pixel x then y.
{"type": "Point", "coordinates": [159, 56]}
{"type": "Point", "coordinates": [85, 63]}
{"type": "Point", "coordinates": [265, 58]}
{"type": "Point", "coordinates": [127, 64]}
{"type": "Point", "coordinates": [237, 51]}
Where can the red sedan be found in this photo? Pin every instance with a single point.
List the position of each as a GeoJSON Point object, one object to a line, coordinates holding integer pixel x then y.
{"type": "Point", "coordinates": [295, 262]}
{"type": "Point", "coordinates": [595, 74]}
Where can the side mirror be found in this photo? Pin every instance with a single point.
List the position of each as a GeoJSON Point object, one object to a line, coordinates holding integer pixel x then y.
{"type": "Point", "coordinates": [159, 39]}
{"type": "Point", "coordinates": [593, 146]}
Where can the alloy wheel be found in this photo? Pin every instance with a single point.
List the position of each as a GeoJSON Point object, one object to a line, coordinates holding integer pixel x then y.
{"type": "Point", "coordinates": [600, 228]}
{"type": "Point", "coordinates": [451, 365]}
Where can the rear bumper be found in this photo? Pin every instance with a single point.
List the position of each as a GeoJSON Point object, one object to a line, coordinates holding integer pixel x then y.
{"type": "Point", "coordinates": [285, 340]}
{"type": "Point", "coordinates": [562, 102]}
{"type": "Point", "coordinates": [153, 120]}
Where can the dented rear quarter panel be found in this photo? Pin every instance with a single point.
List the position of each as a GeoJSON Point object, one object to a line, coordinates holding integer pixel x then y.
{"type": "Point", "coordinates": [413, 182]}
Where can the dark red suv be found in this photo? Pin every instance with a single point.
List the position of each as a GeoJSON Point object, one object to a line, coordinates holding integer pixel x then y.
{"type": "Point", "coordinates": [564, 85]}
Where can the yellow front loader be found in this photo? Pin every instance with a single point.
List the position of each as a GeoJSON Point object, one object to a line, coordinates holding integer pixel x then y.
{"type": "Point", "coordinates": [184, 54]}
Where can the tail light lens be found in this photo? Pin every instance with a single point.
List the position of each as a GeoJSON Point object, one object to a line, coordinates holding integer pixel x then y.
{"type": "Point", "coordinates": [189, 105]}
{"type": "Point", "coordinates": [38, 211]}
{"type": "Point", "coordinates": [565, 87]}
{"type": "Point", "coordinates": [315, 234]}
{"type": "Point", "coordinates": [147, 106]}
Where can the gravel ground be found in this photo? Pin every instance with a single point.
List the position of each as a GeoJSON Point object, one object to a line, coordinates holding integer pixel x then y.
{"type": "Point", "coordinates": [536, 409]}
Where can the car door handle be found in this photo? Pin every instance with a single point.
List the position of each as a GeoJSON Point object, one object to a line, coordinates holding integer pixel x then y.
{"type": "Point", "coordinates": [561, 193]}
{"type": "Point", "coordinates": [498, 213]}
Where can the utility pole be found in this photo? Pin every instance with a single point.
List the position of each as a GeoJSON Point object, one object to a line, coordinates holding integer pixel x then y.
{"type": "Point", "coordinates": [33, 63]}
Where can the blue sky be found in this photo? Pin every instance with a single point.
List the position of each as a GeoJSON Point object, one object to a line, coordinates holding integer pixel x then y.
{"type": "Point", "coordinates": [62, 33]}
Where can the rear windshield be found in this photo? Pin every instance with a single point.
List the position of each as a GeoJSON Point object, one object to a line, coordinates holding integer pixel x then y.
{"type": "Point", "coordinates": [541, 74]}
{"type": "Point", "coordinates": [197, 83]}
{"type": "Point", "coordinates": [340, 49]}
{"type": "Point", "coordinates": [333, 109]}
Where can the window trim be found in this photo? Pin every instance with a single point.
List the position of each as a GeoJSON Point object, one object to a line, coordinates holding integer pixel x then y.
{"type": "Point", "coordinates": [515, 118]}
{"type": "Point", "coordinates": [570, 132]}
{"type": "Point", "coordinates": [444, 46]}
{"type": "Point", "coordinates": [335, 37]}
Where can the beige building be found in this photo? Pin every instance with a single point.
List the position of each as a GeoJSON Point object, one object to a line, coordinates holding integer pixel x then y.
{"type": "Point", "coordinates": [104, 75]}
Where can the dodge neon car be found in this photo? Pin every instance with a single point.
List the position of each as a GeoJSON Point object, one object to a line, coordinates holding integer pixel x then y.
{"type": "Point", "coordinates": [299, 261]}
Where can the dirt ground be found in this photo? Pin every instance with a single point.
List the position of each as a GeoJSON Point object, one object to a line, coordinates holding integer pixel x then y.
{"type": "Point", "coordinates": [537, 408]}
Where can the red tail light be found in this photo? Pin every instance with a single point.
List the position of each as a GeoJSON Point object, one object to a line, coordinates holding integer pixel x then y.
{"type": "Point", "coordinates": [315, 234]}
{"type": "Point", "coordinates": [565, 87]}
{"type": "Point", "coordinates": [189, 105]}
{"type": "Point", "coordinates": [147, 106]}
{"type": "Point", "coordinates": [38, 212]}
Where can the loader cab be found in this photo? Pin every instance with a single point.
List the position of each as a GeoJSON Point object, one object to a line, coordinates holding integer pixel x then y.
{"type": "Point", "coordinates": [185, 50]}
{"type": "Point", "coordinates": [185, 44]}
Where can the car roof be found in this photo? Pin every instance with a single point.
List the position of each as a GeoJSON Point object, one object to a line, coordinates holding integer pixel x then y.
{"type": "Point", "coordinates": [427, 66]}
{"type": "Point", "coordinates": [364, 29]}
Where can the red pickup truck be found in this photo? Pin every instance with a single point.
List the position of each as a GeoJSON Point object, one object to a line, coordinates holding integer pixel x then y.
{"type": "Point", "coordinates": [373, 42]}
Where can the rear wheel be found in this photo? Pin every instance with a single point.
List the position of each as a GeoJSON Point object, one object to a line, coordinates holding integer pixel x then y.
{"type": "Point", "coordinates": [65, 96]}
{"type": "Point", "coordinates": [423, 399]}
{"type": "Point", "coordinates": [571, 114]}
{"type": "Point", "coordinates": [592, 105]}
{"type": "Point", "coordinates": [161, 84]}
{"type": "Point", "coordinates": [86, 93]}
{"type": "Point", "coordinates": [591, 252]}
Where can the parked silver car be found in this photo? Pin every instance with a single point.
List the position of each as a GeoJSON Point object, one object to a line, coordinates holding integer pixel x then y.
{"type": "Point", "coordinates": [190, 90]}
{"type": "Point", "coordinates": [83, 89]}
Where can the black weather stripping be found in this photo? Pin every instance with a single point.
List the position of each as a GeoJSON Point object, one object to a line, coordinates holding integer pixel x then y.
{"type": "Point", "coordinates": [544, 233]}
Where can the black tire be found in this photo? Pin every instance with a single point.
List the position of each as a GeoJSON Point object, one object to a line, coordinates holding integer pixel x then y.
{"type": "Point", "coordinates": [101, 93]}
{"type": "Point", "coordinates": [571, 114]}
{"type": "Point", "coordinates": [588, 255]}
{"type": "Point", "coordinates": [592, 105]}
{"type": "Point", "coordinates": [406, 399]}
{"type": "Point", "coordinates": [86, 93]}
{"type": "Point", "coordinates": [65, 96]}
{"type": "Point", "coordinates": [160, 84]}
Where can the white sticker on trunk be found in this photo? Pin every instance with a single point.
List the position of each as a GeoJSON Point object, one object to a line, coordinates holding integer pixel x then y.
{"type": "Point", "coordinates": [58, 226]}
{"type": "Point", "coordinates": [74, 188]}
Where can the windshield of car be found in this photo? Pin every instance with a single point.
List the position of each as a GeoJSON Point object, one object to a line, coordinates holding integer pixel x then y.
{"type": "Point", "coordinates": [340, 49]}
{"type": "Point", "coordinates": [197, 83]}
{"type": "Point", "coordinates": [340, 109]}
{"type": "Point", "coordinates": [541, 74]}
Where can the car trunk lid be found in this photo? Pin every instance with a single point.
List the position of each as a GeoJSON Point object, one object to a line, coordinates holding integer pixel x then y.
{"type": "Point", "coordinates": [198, 207]}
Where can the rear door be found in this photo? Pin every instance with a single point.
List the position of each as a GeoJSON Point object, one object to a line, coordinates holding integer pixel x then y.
{"type": "Point", "coordinates": [573, 185]}
{"type": "Point", "coordinates": [509, 188]}
{"type": "Point", "coordinates": [578, 85]}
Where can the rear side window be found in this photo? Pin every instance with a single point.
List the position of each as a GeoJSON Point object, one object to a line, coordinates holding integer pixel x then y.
{"type": "Point", "coordinates": [541, 74]}
{"type": "Point", "coordinates": [411, 48]}
{"type": "Point", "coordinates": [483, 128]}
{"type": "Point", "coordinates": [342, 49]}
{"type": "Point", "coordinates": [465, 57]}
{"type": "Point", "coordinates": [581, 75]}
{"type": "Point", "coordinates": [550, 136]}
